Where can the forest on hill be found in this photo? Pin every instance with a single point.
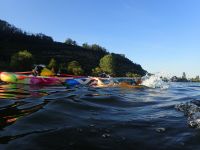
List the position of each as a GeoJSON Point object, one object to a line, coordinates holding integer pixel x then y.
{"type": "Point", "coordinates": [92, 59]}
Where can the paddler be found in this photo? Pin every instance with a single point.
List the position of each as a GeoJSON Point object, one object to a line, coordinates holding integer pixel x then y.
{"type": "Point", "coordinates": [41, 70]}
{"type": "Point", "coordinates": [98, 82]}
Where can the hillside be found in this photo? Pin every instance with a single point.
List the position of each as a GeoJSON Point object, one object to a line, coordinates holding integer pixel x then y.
{"type": "Point", "coordinates": [44, 48]}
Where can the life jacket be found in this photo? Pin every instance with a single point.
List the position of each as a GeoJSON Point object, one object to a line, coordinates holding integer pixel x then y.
{"type": "Point", "coordinates": [46, 72]}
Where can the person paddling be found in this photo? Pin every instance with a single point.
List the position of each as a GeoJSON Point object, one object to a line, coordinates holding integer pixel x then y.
{"type": "Point", "coordinates": [100, 82]}
{"type": "Point", "coordinates": [41, 70]}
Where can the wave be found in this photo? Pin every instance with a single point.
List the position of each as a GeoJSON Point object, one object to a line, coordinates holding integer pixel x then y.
{"type": "Point", "coordinates": [192, 111]}
{"type": "Point", "coordinates": [155, 81]}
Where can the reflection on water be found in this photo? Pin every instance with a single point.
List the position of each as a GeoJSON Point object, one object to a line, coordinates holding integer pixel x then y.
{"type": "Point", "coordinates": [39, 117]}
{"type": "Point", "coordinates": [11, 113]}
{"type": "Point", "coordinates": [19, 91]}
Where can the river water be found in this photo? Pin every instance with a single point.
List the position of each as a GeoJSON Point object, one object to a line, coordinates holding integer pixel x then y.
{"type": "Point", "coordinates": [43, 118]}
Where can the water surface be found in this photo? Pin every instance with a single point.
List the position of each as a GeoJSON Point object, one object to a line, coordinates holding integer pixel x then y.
{"type": "Point", "coordinates": [39, 117]}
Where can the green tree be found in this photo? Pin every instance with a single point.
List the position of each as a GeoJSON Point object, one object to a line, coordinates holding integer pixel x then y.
{"type": "Point", "coordinates": [96, 71]}
{"type": "Point", "coordinates": [184, 76]}
{"type": "Point", "coordinates": [71, 65]}
{"type": "Point", "coordinates": [78, 71]}
{"type": "Point", "coordinates": [22, 61]}
{"type": "Point", "coordinates": [69, 41]}
{"type": "Point", "coordinates": [132, 75]}
{"type": "Point", "coordinates": [107, 64]}
{"type": "Point", "coordinates": [85, 45]}
{"type": "Point", "coordinates": [3, 65]}
{"type": "Point", "coordinates": [94, 47]}
{"type": "Point", "coordinates": [62, 68]}
{"type": "Point", "coordinates": [97, 47]}
{"type": "Point", "coordinates": [197, 78]}
{"type": "Point", "coordinates": [53, 65]}
{"type": "Point", "coordinates": [75, 68]}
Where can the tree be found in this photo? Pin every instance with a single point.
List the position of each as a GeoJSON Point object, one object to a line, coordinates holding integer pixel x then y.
{"type": "Point", "coordinates": [97, 48]}
{"type": "Point", "coordinates": [96, 71]}
{"type": "Point", "coordinates": [43, 37]}
{"type": "Point", "coordinates": [132, 75]}
{"type": "Point", "coordinates": [78, 71]}
{"type": "Point", "coordinates": [107, 64]}
{"type": "Point", "coordinates": [23, 60]}
{"type": "Point", "coordinates": [85, 45]}
{"type": "Point", "coordinates": [69, 41]}
{"type": "Point", "coordinates": [197, 78]}
{"type": "Point", "coordinates": [71, 65]}
{"type": "Point", "coordinates": [184, 76]}
{"type": "Point", "coordinates": [53, 65]}
{"type": "Point", "coordinates": [94, 47]}
{"type": "Point", "coordinates": [75, 68]}
{"type": "Point", "coordinates": [3, 65]}
{"type": "Point", "coordinates": [62, 68]}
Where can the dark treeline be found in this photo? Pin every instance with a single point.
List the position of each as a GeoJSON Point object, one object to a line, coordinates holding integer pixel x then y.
{"type": "Point", "coordinates": [11, 33]}
{"type": "Point", "coordinates": [44, 48]}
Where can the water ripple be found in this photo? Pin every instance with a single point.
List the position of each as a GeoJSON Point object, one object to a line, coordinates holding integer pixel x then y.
{"type": "Point", "coordinates": [42, 117]}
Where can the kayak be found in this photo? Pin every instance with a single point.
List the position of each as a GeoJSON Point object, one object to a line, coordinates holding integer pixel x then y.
{"type": "Point", "coordinates": [69, 81]}
{"type": "Point", "coordinates": [10, 77]}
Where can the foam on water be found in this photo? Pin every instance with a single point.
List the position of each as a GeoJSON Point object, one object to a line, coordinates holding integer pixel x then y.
{"type": "Point", "coordinates": [156, 81]}
{"type": "Point", "coordinates": [192, 111]}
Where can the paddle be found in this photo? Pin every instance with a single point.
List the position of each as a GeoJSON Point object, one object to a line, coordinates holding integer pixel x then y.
{"type": "Point", "coordinates": [26, 72]}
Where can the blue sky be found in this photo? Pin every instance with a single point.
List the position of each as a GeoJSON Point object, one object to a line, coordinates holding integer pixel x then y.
{"type": "Point", "coordinates": [161, 35]}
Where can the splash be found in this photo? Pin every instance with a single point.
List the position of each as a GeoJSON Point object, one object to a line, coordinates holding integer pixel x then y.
{"type": "Point", "coordinates": [158, 80]}
{"type": "Point", "coordinates": [192, 111]}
